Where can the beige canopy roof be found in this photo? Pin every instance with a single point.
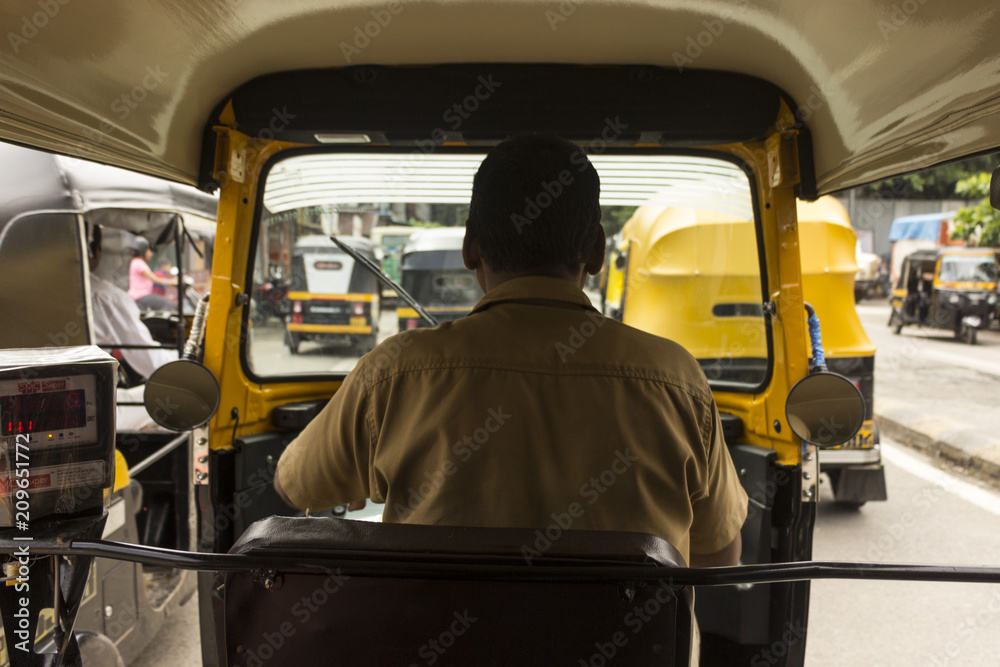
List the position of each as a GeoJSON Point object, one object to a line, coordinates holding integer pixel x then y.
{"type": "Point", "coordinates": [883, 87]}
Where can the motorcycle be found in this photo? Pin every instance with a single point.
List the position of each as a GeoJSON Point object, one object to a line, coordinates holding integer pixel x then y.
{"type": "Point", "coordinates": [270, 299]}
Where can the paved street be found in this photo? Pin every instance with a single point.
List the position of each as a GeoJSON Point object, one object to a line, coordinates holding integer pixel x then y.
{"type": "Point", "coordinates": [932, 516]}
{"type": "Point", "coordinates": [934, 374]}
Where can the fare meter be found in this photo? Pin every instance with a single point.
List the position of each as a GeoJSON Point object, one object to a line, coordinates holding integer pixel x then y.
{"type": "Point", "coordinates": [57, 433]}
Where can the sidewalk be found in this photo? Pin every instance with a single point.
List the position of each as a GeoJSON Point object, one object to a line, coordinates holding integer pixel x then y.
{"type": "Point", "coordinates": [976, 450]}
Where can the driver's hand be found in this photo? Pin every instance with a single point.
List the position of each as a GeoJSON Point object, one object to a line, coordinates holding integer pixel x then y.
{"type": "Point", "coordinates": [188, 280]}
{"type": "Point", "coordinates": [356, 505]}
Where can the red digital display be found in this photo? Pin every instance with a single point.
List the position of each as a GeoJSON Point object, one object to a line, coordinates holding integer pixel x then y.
{"type": "Point", "coordinates": [52, 411]}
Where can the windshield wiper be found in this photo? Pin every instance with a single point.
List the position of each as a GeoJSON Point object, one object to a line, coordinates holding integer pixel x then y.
{"type": "Point", "coordinates": [381, 275]}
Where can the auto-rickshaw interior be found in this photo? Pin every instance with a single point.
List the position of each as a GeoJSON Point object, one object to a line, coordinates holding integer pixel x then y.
{"type": "Point", "coordinates": [791, 100]}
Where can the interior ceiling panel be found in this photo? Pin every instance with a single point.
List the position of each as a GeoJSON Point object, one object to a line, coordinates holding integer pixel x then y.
{"type": "Point", "coordinates": [883, 87]}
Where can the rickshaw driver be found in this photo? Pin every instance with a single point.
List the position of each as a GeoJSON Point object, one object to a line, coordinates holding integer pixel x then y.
{"type": "Point", "coordinates": [534, 410]}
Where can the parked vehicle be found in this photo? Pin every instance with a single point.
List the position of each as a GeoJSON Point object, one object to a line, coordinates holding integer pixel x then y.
{"type": "Point", "coordinates": [826, 239]}
{"type": "Point", "coordinates": [332, 298]}
{"type": "Point", "coordinates": [270, 299]}
{"type": "Point", "coordinates": [953, 289]}
{"type": "Point", "coordinates": [47, 205]}
{"type": "Point", "coordinates": [227, 96]}
{"type": "Point", "coordinates": [677, 286]}
{"type": "Point", "coordinates": [867, 279]}
{"type": "Point", "coordinates": [909, 233]}
{"type": "Point", "coordinates": [431, 269]}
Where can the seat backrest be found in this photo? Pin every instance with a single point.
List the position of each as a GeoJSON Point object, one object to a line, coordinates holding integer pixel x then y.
{"type": "Point", "coordinates": [43, 271]}
{"type": "Point", "coordinates": [374, 618]}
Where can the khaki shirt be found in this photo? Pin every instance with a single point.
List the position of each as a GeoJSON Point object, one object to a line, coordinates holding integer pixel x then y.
{"type": "Point", "coordinates": [532, 411]}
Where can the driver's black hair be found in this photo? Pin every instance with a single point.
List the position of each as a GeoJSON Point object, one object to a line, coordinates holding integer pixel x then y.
{"type": "Point", "coordinates": [94, 242]}
{"type": "Point", "coordinates": [535, 205]}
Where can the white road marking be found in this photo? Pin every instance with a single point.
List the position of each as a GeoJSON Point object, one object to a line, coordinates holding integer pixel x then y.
{"type": "Point", "coordinates": [982, 498]}
{"type": "Point", "coordinates": [974, 364]}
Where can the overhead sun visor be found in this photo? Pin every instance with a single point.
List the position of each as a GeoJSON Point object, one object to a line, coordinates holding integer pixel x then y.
{"type": "Point", "coordinates": [480, 104]}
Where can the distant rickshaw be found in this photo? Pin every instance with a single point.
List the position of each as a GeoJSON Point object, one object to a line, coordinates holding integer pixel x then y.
{"type": "Point", "coordinates": [332, 297]}
{"type": "Point", "coordinates": [673, 286]}
{"type": "Point", "coordinates": [952, 288]}
{"type": "Point", "coordinates": [432, 271]}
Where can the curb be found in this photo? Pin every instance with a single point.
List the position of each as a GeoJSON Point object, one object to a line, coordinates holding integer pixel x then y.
{"type": "Point", "coordinates": [984, 463]}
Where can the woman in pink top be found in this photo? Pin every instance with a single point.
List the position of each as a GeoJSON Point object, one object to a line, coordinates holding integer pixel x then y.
{"type": "Point", "coordinates": [141, 279]}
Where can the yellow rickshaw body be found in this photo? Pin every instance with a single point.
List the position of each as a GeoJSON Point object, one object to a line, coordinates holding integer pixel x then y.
{"type": "Point", "coordinates": [679, 281]}
{"type": "Point", "coordinates": [678, 275]}
{"type": "Point", "coordinates": [829, 265]}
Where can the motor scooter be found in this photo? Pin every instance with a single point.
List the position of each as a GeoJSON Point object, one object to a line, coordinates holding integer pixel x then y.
{"type": "Point", "coordinates": [270, 299]}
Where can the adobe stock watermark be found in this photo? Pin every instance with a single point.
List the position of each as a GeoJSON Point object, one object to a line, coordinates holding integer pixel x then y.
{"type": "Point", "coordinates": [452, 120]}
{"type": "Point", "coordinates": [33, 23]}
{"type": "Point", "coordinates": [591, 491]}
{"type": "Point", "coordinates": [549, 191]}
{"type": "Point", "coordinates": [578, 335]}
{"type": "Point", "coordinates": [900, 16]}
{"type": "Point", "coordinates": [464, 449]}
{"type": "Point", "coordinates": [363, 35]}
{"type": "Point", "coordinates": [984, 617]}
{"type": "Point", "coordinates": [893, 533]}
{"type": "Point", "coordinates": [278, 122]}
{"type": "Point", "coordinates": [696, 44]}
{"type": "Point", "coordinates": [779, 648]}
{"type": "Point", "coordinates": [635, 620]}
{"type": "Point", "coordinates": [271, 642]}
{"type": "Point", "coordinates": [565, 9]}
{"type": "Point", "coordinates": [435, 648]}
{"type": "Point", "coordinates": [123, 105]}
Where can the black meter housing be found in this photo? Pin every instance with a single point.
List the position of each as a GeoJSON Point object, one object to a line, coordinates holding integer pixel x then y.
{"type": "Point", "coordinates": [57, 433]}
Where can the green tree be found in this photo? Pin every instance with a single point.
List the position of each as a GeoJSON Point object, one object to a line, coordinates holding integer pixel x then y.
{"type": "Point", "coordinates": [980, 222]}
{"type": "Point", "coordinates": [937, 183]}
{"type": "Point", "coordinates": [613, 218]}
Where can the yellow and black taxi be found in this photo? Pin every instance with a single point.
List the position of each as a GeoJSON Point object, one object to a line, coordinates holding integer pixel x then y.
{"type": "Point", "coordinates": [333, 297]}
{"type": "Point", "coordinates": [954, 289]}
{"type": "Point", "coordinates": [432, 271]}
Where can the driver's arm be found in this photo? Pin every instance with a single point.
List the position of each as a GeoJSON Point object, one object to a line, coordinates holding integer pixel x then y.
{"type": "Point", "coordinates": [719, 506]}
{"type": "Point", "coordinates": [328, 463]}
{"type": "Point", "coordinates": [351, 507]}
{"type": "Point", "coordinates": [727, 555]}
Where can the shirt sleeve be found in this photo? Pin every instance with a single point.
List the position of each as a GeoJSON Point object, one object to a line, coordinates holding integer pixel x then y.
{"type": "Point", "coordinates": [116, 322]}
{"type": "Point", "coordinates": [721, 507]}
{"type": "Point", "coordinates": [328, 463]}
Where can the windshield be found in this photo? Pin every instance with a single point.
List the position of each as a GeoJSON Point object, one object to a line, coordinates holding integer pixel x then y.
{"type": "Point", "coordinates": [690, 268]}
{"type": "Point", "coordinates": [968, 269]}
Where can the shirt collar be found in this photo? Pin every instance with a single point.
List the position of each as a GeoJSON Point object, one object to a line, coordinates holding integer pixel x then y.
{"type": "Point", "coordinates": [535, 289]}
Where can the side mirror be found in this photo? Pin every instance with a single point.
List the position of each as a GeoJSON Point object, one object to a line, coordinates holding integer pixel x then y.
{"type": "Point", "coordinates": [995, 189]}
{"type": "Point", "coordinates": [825, 409]}
{"type": "Point", "coordinates": [181, 395]}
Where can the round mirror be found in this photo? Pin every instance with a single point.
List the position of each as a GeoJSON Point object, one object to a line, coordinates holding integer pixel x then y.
{"type": "Point", "coordinates": [181, 395]}
{"type": "Point", "coordinates": [825, 409]}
